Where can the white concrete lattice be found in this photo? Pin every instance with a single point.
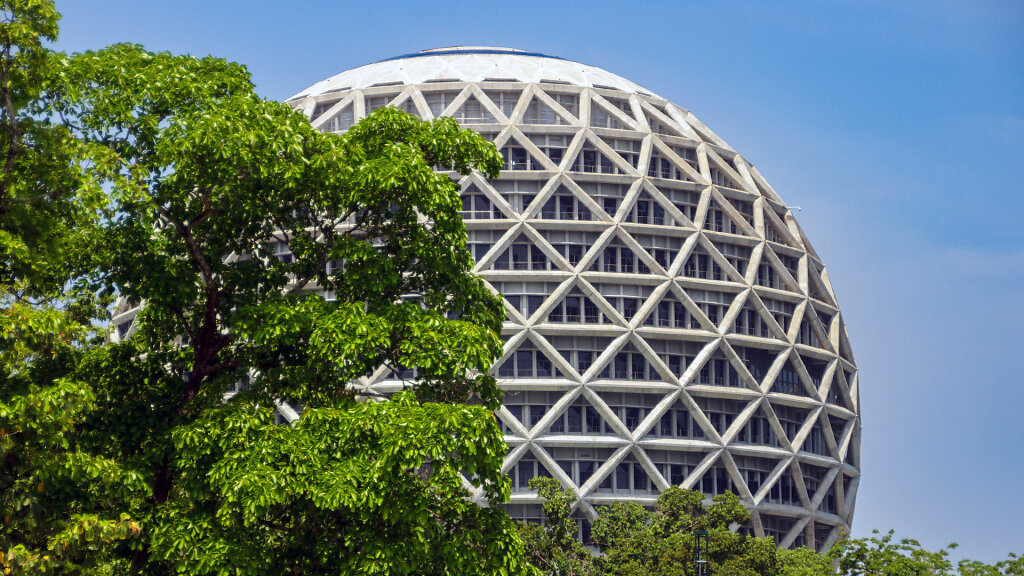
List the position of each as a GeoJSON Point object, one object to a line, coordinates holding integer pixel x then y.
{"type": "Point", "coordinates": [668, 320]}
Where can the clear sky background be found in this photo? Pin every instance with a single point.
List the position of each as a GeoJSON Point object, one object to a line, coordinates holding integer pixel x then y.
{"type": "Point", "coordinates": [897, 127]}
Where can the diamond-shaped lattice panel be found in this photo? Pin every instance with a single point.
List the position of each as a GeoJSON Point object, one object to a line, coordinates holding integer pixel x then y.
{"type": "Point", "coordinates": [668, 322]}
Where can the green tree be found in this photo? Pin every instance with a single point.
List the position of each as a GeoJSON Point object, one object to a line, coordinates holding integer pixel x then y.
{"type": "Point", "coordinates": [221, 216]}
{"type": "Point", "coordinates": [804, 561]}
{"type": "Point", "coordinates": [50, 207]}
{"type": "Point", "coordinates": [1012, 566]}
{"type": "Point", "coordinates": [552, 545]}
{"type": "Point", "coordinates": [885, 554]}
{"type": "Point", "coordinates": [635, 541]}
{"type": "Point", "coordinates": [639, 542]}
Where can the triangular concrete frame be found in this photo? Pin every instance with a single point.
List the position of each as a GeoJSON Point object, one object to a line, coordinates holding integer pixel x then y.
{"type": "Point", "coordinates": [669, 154]}
{"type": "Point", "coordinates": [481, 184]}
{"type": "Point", "coordinates": [628, 122]}
{"type": "Point", "coordinates": [410, 94]}
{"type": "Point", "coordinates": [725, 167]}
{"type": "Point", "coordinates": [608, 152]}
{"type": "Point", "coordinates": [331, 112]}
{"type": "Point", "coordinates": [653, 265]}
{"type": "Point", "coordinates": [488, 104]}
{"type": "Point", "coordinates": [751, 301]}
{"type": "Point", "coordinates": [577, 288]}
{"type": "Point", "coordinates": [834, 404]}
{"type": "Point", "coordinates": [746, 229]}
{"type": "Point", "coordinates": [542, 96]}
{"type": "Point", "coordinates": [681, 219]}
{"type": "Point", "coordinates": [651, 112]}
{"type": "Point", "coordinates": [489, 118]}
{"type": "Point", "coordinates": [513, 133]}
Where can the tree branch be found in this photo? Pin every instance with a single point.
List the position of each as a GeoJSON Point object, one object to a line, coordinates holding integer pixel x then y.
{"type": "Point", "coordinates": [12, 122]}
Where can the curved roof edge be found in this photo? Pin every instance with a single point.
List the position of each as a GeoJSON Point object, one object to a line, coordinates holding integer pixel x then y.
{"type": "Point", "coordinates": [472, 64]}
{"type": "Point", "coordinates": [468, 50]}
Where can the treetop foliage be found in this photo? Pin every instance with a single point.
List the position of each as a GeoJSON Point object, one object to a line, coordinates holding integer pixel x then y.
{"type": "Point", "coordinates": [220, 220]}
{"type": "Point", "coordinates": [635, 541]}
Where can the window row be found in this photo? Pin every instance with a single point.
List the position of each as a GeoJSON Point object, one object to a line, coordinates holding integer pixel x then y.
{"type": "Point", "coordinates": [517, 158]}
{"type": "Point", "coordinates": [523, 255]}
{"type": "Point", "coordinates": [630, 364]}
{"type": "Point", "coordinates": [672, 314]}
{"type": "Point", "coordinates": [552, 145]}
{"type": "Point", "coordinates": [601, 118]}
{"type": "Point", "coordinates": [527, 468]}
{"type": "Point", "coordinates": [677, 423]}
{"type": "Point", "coordinates": [808, 335]}
{"type": "Point", "coordinates": [719, 178]}
{"type": "Point", "coordinates": [581, 309]}
{"type": "Point", "coordinates": [781, 311]}
{"type": "Point", "coordinates": [581, 469]}
{"type": "Point", "coordinates": [719, 221]}
{"type": "Point", "coordinates": [621, 259]}
{"type": "Point", "coordinates": [702, 265]}
{"type": "Point", "coordinates": [590, 159]}
{"type": "Point", "coordinates": [577, 309]}
{"type": "Point", "coordinates": [768, 277]}
{"type": "Point", "coordinates": [630, 476]}
{"type": "Point", "coordinates": [563, 205]}
{"type": "Point", "coordinates": [479, 207]}
{"type": "Point", "coordinates": [647, 211]}
{"type": "Point", "coordinates": [718, 372]}
{"type": "Point", "coordinates": [661, 167]}
{"type": "Point", "coordinates": [538, 112]}
{"type": "Point", "coordinates": [750, 323]}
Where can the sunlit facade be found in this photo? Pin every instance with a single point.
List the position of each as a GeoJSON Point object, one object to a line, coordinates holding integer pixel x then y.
{"type": "Point", "coordinates": [668, 322]}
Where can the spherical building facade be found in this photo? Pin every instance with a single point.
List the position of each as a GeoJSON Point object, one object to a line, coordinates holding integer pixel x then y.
{"type": "Point", "coordinates": [668, 321]}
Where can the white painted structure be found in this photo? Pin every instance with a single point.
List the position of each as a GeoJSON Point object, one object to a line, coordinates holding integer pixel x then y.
{"type": "Point", "coordinates": [668, 321]}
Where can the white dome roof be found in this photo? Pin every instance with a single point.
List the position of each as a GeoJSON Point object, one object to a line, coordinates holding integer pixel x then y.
{"type": "Point", "coordinates": [472, 64]}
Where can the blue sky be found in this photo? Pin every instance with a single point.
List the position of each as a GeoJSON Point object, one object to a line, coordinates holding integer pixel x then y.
{"type": "Point", "coordinates": [897, 127]}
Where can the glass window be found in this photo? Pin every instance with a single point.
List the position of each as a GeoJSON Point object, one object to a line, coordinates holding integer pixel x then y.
{"type": "Point", "coordinates": [575, 419]}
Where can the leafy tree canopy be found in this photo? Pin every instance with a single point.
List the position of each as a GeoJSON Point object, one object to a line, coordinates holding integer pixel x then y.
{"type": "Point", "coordinates": [219, 219]}
{"type": "Point", "coordinates": [552, 546]}
{"type": "Point", "coordinates": [885, 554]}
{"type": "Point", "coordinates": [634, 541]}
{"type": "Point", "coordinates": [638, 541]}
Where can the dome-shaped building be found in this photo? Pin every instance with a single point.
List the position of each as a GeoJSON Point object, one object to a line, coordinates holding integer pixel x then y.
{"type": "Point", "coordinates": [668, 321]}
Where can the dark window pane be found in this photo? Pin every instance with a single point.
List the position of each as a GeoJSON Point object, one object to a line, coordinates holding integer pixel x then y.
{"type": "Point", "coordinates": [632, 417]}
{"type": "Point", "coordinates": [586, 471]}
{"type": "Point", "coordinates": [575, 416]}
{"type": "Point", "coordinates": [543, 366]}
{"type": "Point", "coordinates": [575, 254]}
{"type": "Point", "coordinates": [593, 420]}
{"type": "Point", "coordinates": [508, 369]}
{"type": "Point", "coordinates": [524, 363]}
{"type": "Point", "coordinates": [516, 411]}
{"type": "Point", "coordinates": [622, 477]}
{"type": "Point", "coordinates": [621, 365]}
{"type": "Point", "coordinates": [520, 255]}
{"type": "Point", "coordinates": [535, 302]}
{"type": "Point", "coordinates": [640, 480]}
{"type": "Point", "coordinates": [536, 413]}
{"type": "Point", "coordinates": [572, 309]}
{"type": "Point", "coordinates": [665, 424]}
{"type": "Point", "coordinates": [585, 358]}
{"type": "Point", "coordinates": [558, 426]}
